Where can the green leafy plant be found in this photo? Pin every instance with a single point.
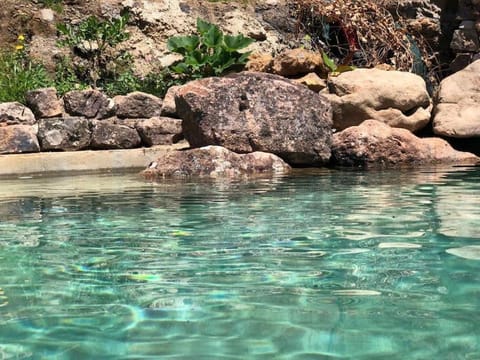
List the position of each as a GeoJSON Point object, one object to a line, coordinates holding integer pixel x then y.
{"type": "Point", "coordinates": [210, 53]}
{"type": "Point", "coordinates": [19, 73]}
{"type": "Point", "coordinates": [65, 77]}
{"type": "Point", "coordinates": [56, 5]}
{"type": "Point", "coordinates": [94, 41]}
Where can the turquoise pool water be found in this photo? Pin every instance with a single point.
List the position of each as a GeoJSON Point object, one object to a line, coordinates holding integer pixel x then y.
{"type": "Point", "coordinates": [326, 265]}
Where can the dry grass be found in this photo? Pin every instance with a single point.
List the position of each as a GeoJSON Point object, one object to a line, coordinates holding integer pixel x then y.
{"type": "Point", "coordinates": [362, 33]}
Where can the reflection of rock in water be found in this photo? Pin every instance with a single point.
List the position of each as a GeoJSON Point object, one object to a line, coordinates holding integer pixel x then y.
{"type": "Point", "coordinates": [471, 252]}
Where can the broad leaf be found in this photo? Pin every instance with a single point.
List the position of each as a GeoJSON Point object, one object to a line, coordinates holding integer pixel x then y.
{"type": "Point", "coordinates": [329, 62]}
{"type": "Point", "coordinates": [203, 26]}
{"type": "Point", "coordinates": [213, 38]}
{"type": "Point", "coordinates": [183, 44]}
{"type": "Point", "coordinates": [180, 68]}
{"type": "Point", "coordinates": [234, 43]}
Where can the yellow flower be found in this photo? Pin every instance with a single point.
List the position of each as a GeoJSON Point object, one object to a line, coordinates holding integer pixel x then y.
{"type": "Point", "coordinates": [21, 37]}
{"type": "Point", "coordinates": [19, 47]}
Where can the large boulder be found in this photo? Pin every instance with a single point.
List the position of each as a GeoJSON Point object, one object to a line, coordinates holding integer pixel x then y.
{"type": "Point", "coordinates": [159, 130]}
{"type": "Point", "coordinates": [64, 134]}
{"type": "Point", "coordinates": [18, 139]}
{"type": "Point", "coordinates": [399, 99]}
{"type": "Point", "coordinates": [109, 135]}
{"type": "Point", "coordinates": [88, 103]}
{"type": "Point", "coordinates": [137, 105]}
{"type": "Point", "coordinates": [457, 113]}
{"type": "Point", "coordinates": [375, 144]}
{"type": "Point", "coordinates": [214, 161]}
{"type": "Point", "coordinates": [44, 103]}
{"type": "Point", "coordinates": [14, 113]}
{"type": "Point", "coordinates": [249, 112]}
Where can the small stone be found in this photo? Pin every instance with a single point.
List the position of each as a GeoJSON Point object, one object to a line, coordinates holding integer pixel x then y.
{"type": "Point", "coordinates": [44, 103]}
{"type": "Point", "coordinates": [313, 82]}
{"type": "Point", "coordinates": [168, 104]}
{"type": "Point", "coordinates": [293, 62]}
{"type": "Point", "coordinates": [259, 62]}
{"type": "Point", "coordinates": [89, 104]}
{"type": "Point", "coordinates": [17, 139]}
{"type": "Point", "coordinates": [138, 105]}
{"type": "Point", "coordinates": [65, 134]}
{"type": "Point", "coordinates": [108, 135]}
{"type": "Point", "coordinates": [160, 130]}
{"type": "Point", "coordinates": [14, 113]}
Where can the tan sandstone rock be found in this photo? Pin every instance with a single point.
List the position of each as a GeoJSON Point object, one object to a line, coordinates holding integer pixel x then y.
{"type": "Point", "coordinates": [457, 113]}
{"type": "Point", "coordinates": [214, 161]}
{"type": "Point", "coordinates": [312, 81]}
{"type": "Point", "coordinates": [399, 99]}
{"type": "Point", "coordinates": [375, 144]}
{"type": "Point", "coordinates": [293, 62]}
{"type": "Point", "coordinates": [259, 62]}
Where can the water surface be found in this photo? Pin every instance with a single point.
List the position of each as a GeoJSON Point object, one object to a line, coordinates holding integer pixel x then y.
{"type": "Point", "coordinates": [321, 265]}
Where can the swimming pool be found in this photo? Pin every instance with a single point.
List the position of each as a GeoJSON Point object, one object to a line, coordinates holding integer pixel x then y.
{"type": "Point", "coordinates": [315, 265]}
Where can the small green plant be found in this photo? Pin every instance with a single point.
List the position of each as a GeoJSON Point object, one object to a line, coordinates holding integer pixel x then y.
{"type": "Point", "coordinates": [335, 69]}
{"type": "Point", "coordinates": [94, 41]}
{"type": "Point", "coordinates": [210, 53]}
{"type": "Point", "coordinates": [65, 77]}
{"type": "Point", "coordinates": [19, 73]}
{"type": "Point", "coordinates": [56, 5]}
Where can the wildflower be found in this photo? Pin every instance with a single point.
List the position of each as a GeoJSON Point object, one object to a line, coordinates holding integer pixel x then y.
{"type": "Point", "coordinates": [21, 38]}
{"type": "Point", "coordinates": [19, 47]}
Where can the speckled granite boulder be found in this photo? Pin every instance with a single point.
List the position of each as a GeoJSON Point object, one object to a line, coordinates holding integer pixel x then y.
{"type": "Point", "coordinates": [250, 111]}
{"type": "Point", "coordinates": [214, 161]}
{"type": "Point", "coordinates": [375, 144]}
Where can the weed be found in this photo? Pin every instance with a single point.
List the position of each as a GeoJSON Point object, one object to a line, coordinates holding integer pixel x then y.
{"type": "Point", "coordinates": [210, 53]}
{"type": "Point", "coordinates": [19, 73]}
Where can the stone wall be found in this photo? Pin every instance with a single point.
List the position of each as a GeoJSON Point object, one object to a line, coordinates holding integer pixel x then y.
{"type": "Point", "coordinates": [84, 120]}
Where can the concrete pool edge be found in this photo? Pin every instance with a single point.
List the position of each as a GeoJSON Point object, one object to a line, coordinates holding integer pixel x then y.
{"type": "Point", "coordinates": [82, 161]}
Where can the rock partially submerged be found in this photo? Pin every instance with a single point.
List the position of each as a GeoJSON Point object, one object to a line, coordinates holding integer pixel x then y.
{"type": "Point", "coordinates": [214, 161]}
{"type": "Point", "coordinates": [396, 98]}
{"type": "Point", "coordinates": [375, 144]}
{"type": "Point", "coordinates": [249, 112]}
